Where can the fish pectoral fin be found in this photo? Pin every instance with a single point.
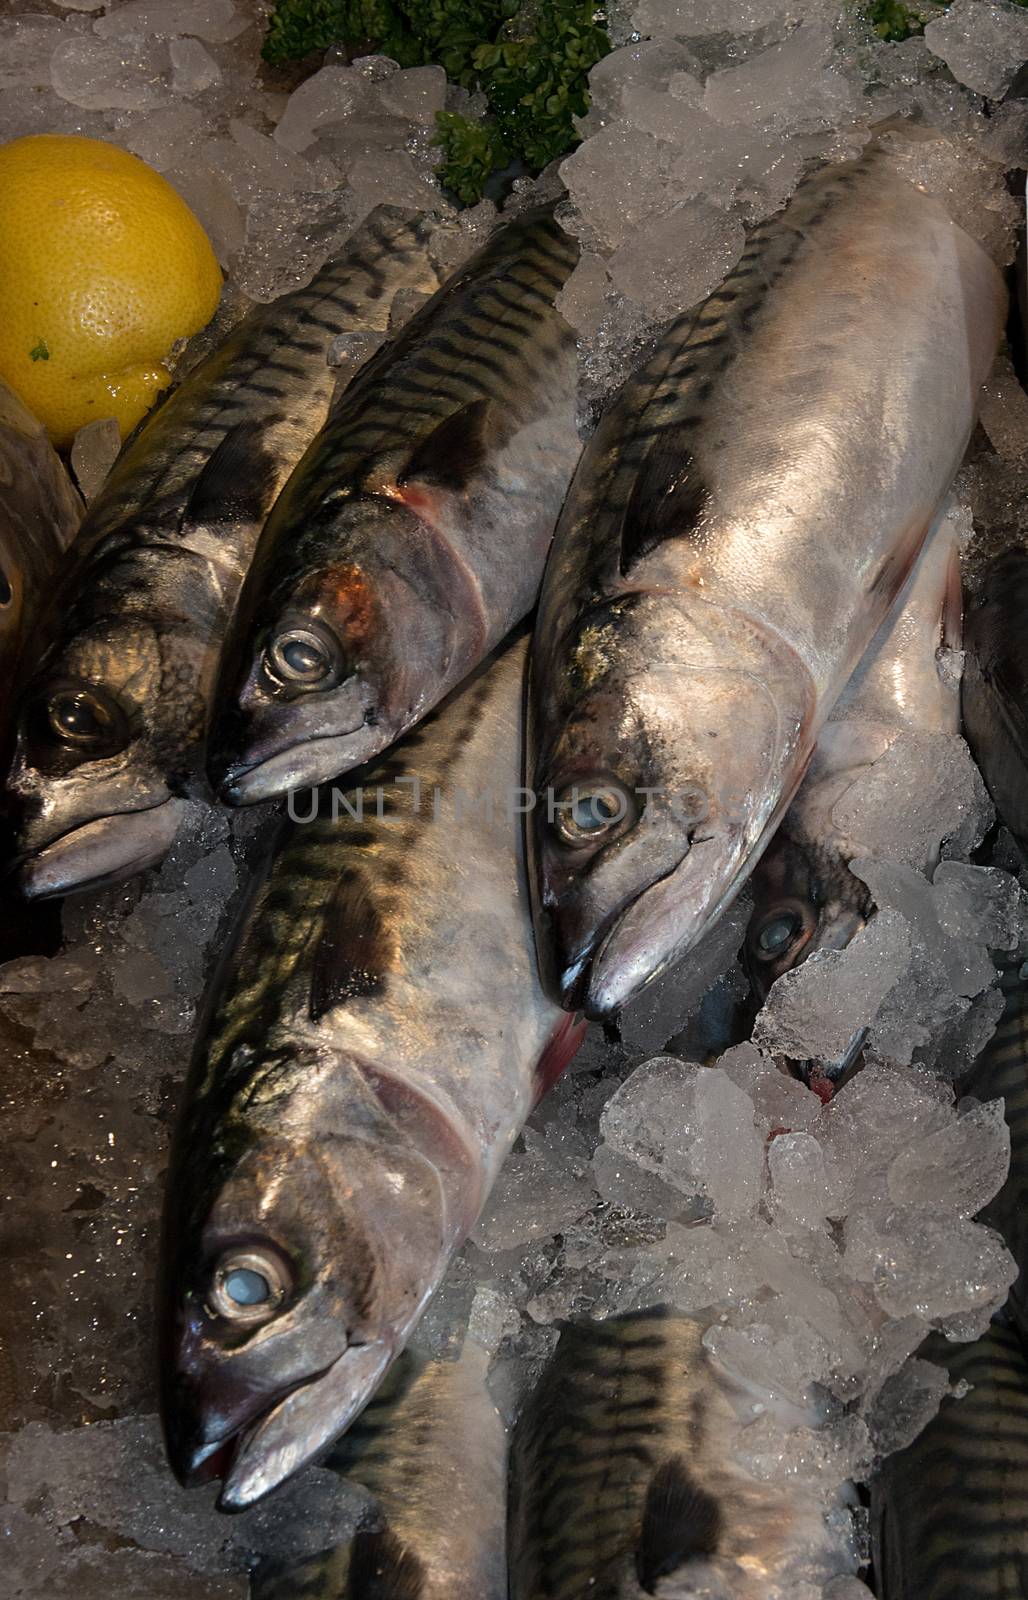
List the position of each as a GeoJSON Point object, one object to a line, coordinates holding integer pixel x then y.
{"type": "Point", "coordinates": [383, 1568]}
{"type": "Point", "coordinates": [458, 448]}
{"type": "Point", "coordinates": [353, 952]}
{"type": "Point", "coordinates": [240, 478]}
{"type": "Point", "coordinates": [667, 501]}
{"type": "Point", "coordinates": [680, 1520]}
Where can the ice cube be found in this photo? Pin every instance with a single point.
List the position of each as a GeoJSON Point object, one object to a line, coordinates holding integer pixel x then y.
{"type": "Point", "coordinates": [813, 1011]}
{"type": "Point", "coordinates": [208, 195]}
{"type": "Point", "coordinates": [616, 179]}
{"type": "Point", "coordinates": [622, 1182]}
{"type": "Point", "coordinates": [324, 100]}
{"type": "Point", "coordinates": [957, 1169]}
{"type": "Point", "coordinates": [906, 1403]}
{"type": "Point", "coordinates": [923, 790]}
{"type": "Point", "coordinates": [416, 94]}
{"type": "Point", "coordinates": [217, 21]}
{"type": "Point", "coordinates": [796, 83]}
{"type": "Point", "coordinates": [800, 1190]}
{"type": "Point", "coordinates": [673, 261]}
{"type": "Point", "coordinates": [534, 1197]}
{"type": "Point", "coordinates": [781, 1104]}
{"type": "Point", "coordinates": [165, 138]}
{"type": "Point", "coordinates": [93, 454]}
{"type": "Point", "coordinates": [99, 75]}
{"type": "Point", "coordinates": [583, 299]}
{"type": "Point", "coordinates": [983, 45]}
{"type": "Point", "coordinates": [692, 18]}
{"type": "Point", "coordinates": [193, 69]}
{"type": "Point", "coordinates": [727, 1155]}
{"type": "Point", "coordinates": [389, 177]}
{"type": "Point", "coordinates": [940, 1267]}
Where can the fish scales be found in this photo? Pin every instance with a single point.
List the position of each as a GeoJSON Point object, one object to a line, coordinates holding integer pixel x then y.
{"type": "Point", "coordinates": [379, 1038]}
{"type": "Point", "coordinates": [1001, 1072]}
{"type": "Point", "coordinates": [137, 627]}
{"type": "Point", "coordinates": [412, 534]}
{"type": "Point", "coordinates": [430, 1449]}
{"type": "Point", "coordinates": [949, 1514]}
{"type": "Point", "coordinates": [737, 529]}
{"type": "Point", "coordinates": [623, 1480]}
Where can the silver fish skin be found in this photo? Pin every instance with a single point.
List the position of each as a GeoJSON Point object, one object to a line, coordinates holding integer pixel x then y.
{"type": "Point", "coordinates": [624, 1484]}
{"type": "Point", "coordinates": [737, 530]}
{"type": "Point", "coordinates": [431, 1449]}
{"type": "Point", "coordinates": [40, 513]}
{"type": "Point", "coordinates": [1001, 1073]}
{"type": "Point", "coordinates": [995, 686]}
{"type": "Point", "coordinates": [949, 1515]}
{"type": "Point", "coordinates": [805, 897]}
{"type": "Point", "coordinates": [412, 536]}
{"type": "Point", "coordinates": [112, 733]}
{"type": "Point", "coordinates": [374, 1047]}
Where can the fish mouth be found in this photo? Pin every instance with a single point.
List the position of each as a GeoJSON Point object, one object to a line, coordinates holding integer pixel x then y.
{"type": "Point", "coordinates": [100, 852]}
{"type": "Point", "coordinates": [654, 930]}
{"type": "Point", "coordinates": [300, 766]}
{"type": "Point", "coordinates": [294, 1432]}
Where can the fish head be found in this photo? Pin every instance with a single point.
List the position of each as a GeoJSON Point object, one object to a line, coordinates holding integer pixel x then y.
{"type": "Point", "coordinates": [98, 793]}
{"type": "Point", "coordinates": [805, 898]}
{"type": "Point", "coordinates": [336, 665]}
{"type": "Point", "coordinates": [295, 1263]}
{"type": "Point", "coordinates": [682, 733]}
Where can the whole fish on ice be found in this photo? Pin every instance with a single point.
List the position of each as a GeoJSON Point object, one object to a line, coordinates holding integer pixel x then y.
{"type": "Point", "coordinates": [111, 736]}
{"type": "Point", "coordinates": [411, 537]}
{"type": "Point", "coordinates": [431, 1449]}
{"type": "Point", "coordinates": [375, 1045]}
{"type": "Point", "coordinates": [737, 530]}
{"type": "Point", "coordinates": [624, 1481]}
{"type": "Point", "coordinates": [39, 515]}
{"type": "Point", "coordinates": [805, 896]}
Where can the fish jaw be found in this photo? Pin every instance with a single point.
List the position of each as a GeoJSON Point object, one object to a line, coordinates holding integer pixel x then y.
{"type": "Point", "coordinates": [105, 851]}
{"type": "Point", "coordinates": [301, 766]}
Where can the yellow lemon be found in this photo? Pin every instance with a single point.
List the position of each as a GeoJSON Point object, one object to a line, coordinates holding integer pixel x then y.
{"type": "Point", "coordinates": [102, 268]}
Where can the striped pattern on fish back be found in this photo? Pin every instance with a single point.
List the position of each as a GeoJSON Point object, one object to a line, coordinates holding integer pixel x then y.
{"type": "Point", "coordinates": [491, 334]}
{"type": "Point", "coordinates": [272, 352]}
{"type": "Point", "coordinates": [950, 1513]}
{"type": "Point", "coordinates": [352, 871]}
{"type": "Point", "coordinates": [1002, 1071]}
{"type": "Point", "coordinates": [641, 447]}
{"type": "Point", "coordinates": [585, 1451]}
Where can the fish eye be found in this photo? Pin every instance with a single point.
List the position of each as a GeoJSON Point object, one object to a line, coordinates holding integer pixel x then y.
{"type": "Point", "coordinates": [305, 656]}
{"type": "Point", "coordinates": [6, 590]}
{"type": "Point", "coordinates": [248, 1285]}
{"type": "Point", "coordinates": [776, 933]}
{"type": "Point", "coordinates": [87, 719]}
{"type": "Point", "coordinates": [593, 810]}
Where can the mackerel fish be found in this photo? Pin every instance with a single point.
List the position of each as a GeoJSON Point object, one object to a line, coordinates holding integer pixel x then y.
{"type": "Point", "coordinates": [738, 528]}
{"type": "Point", "coordinates": [110, 742]}
{"type": "Point", "coordinates": [805, 896]}
{"type": "Point", "coordinates": [431, 1449]}
{"type": "Point", "coordinates": [375, 1044]}
{"type": "Point", "coordinates": [949, 1515]}
{"type": "Point", "coordinates": [411, 538]}
{"type": "Point", "coordinates": [624, 1481]}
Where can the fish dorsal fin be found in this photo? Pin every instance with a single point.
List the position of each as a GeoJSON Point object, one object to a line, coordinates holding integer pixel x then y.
{"type": "Point", "coordinates": [383, 1568]}
{"type": "Point", "coordinates": [352, 953]}
{"type": "Point", "coordinates": [457, 449]}
{"type": "Point", "coordinates": [680, 1520]}
{"type": "Point", "coordinates": [667, 501]}
{"type": "Point", "coordinates": [239, 479]}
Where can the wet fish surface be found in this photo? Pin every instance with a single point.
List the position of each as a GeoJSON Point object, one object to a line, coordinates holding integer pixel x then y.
{"type": "Point", "coordinates": [1001, 1072]}
{"type": "Point", "coordinates": [949, 1515]}
{"type": "Point", "coordinates": [376, 1042]}
{"type": "Point", "coordinates": [431, 1449]}
{"type": "Point", "coordinates": [995, 687]}
{"type": "Point", "coordinates": [111, 738]}
{"type": "Point", "coordinates": [39, 515]}
{"type": "Point", "coordinates": [737, 530]}
{"type": "Point", "coordinates": [623, 1482]}
{"type": "Point", "coordinates": [805, 896]}
{"type": "Point", "coordinates": [412, 536]}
